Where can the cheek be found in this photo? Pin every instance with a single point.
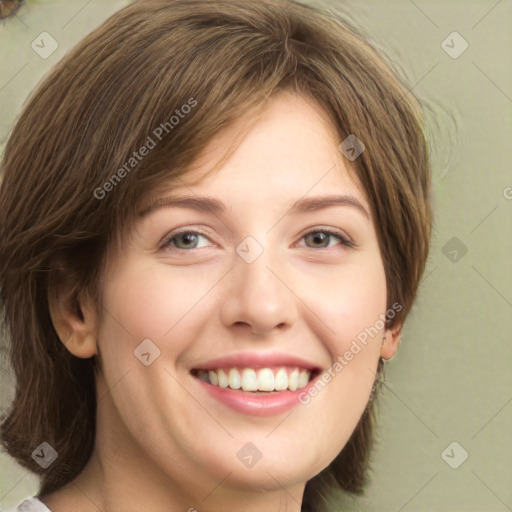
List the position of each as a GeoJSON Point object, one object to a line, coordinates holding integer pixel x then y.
{"type": "Point", "coordinates": [138, 307]}
{"type": "Point", "coordinates": [150, 301]}
{"type": "Point", "coordinates": [352, 304]}
{"type": "Point", "coordinates": [156, 303]}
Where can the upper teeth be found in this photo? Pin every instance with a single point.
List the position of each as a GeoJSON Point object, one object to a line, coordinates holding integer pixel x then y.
{"type": "Point", "coordinates": [263, 379]}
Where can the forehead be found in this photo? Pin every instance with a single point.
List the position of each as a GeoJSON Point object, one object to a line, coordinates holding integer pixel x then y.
{"type": "Point", "coordinates": [287, 150]}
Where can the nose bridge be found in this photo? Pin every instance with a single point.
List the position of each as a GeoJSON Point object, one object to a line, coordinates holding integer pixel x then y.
{"type": "Point", "coordinates": [256, 295]}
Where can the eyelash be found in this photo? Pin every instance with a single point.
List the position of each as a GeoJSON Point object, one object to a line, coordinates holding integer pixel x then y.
{"type": "Point", "coordinates": [166, 244]}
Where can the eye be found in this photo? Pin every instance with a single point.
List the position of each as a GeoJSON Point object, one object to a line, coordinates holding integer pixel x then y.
{"type": "Point", "coordinates": [321, 238]}
{"type": "Point", "coordinates": [183, 240]}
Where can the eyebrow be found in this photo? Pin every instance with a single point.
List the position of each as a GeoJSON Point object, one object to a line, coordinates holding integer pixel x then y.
{"type": "Point", "coordinates": [212, 205]}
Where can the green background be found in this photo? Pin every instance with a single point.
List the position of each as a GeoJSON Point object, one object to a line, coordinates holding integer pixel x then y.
{"type": "Point", "coordinates": [451, 380]}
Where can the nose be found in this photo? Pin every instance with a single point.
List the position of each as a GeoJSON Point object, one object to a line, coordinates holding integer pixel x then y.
{"type": "Point", "coordinates": [258, 297]}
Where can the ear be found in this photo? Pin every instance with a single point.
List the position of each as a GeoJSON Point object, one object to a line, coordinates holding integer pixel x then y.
{"type": "Point", "coordinates": [391, 341]}
{"type": "Point", "coordinates": [74, 319]}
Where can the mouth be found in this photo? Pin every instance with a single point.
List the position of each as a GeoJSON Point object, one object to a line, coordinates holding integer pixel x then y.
{"type": "Point", "coordinates": [258, 380]}
{"type": "Point", "coordinates": [256, 383]}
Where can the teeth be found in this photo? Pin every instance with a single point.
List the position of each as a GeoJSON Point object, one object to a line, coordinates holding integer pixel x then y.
{"type": "Point", "coordinates": [303, 378]}
{"type": "Point", "coordinates": [249, 380]}
{"type": "Point", "coordinates": [264, 379]}
{"type": "Point", "coordinates": [213, 378]}
{"type": "Point", "coordinates": [281, 380]}
{"type": "Point", "coordinates": [293, 380]}
{"type": "Point", "coordinates": [234, 379]}
{"type": "Point", "coordinates": [222, 378]}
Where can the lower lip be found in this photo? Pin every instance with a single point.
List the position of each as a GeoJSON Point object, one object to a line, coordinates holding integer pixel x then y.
{"type": "Point", "coordinates": [270, 404]}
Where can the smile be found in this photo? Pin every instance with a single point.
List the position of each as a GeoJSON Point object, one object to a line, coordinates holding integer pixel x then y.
{"type": "Point", "coordinates": [260, 379]}
{"type": "Point", "coordinates": [256, 384]}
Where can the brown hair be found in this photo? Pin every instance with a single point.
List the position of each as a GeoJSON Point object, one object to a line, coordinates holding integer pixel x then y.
{"type": "Point", "coordinates": [72, 185]}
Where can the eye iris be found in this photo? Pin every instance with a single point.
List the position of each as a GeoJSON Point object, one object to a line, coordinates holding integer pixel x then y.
{"type": "Point", "coordinates": [189, 238]}
{"type": "Point", "coordinates": [319, 237]}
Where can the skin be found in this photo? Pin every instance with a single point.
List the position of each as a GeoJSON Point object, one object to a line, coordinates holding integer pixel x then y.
{"type": "Point", "coordinates": [162, 443]}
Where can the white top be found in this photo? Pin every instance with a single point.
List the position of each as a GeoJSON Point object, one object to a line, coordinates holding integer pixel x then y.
{"type": "Point", "coordinates": [32, 505]}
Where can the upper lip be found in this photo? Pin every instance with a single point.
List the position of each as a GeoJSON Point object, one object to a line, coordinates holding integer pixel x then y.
{"type": "Point", "coordinates": [256, 360]}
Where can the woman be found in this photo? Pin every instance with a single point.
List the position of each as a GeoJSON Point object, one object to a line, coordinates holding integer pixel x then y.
{"type": "Point", "coordinates": [216, 218]}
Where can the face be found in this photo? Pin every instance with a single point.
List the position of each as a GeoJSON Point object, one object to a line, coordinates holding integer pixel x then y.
{"type": "Point", "coordinates": [266, 290]}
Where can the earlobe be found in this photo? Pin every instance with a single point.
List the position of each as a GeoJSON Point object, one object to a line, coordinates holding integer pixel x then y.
{"type": "Point", "coordinates": [74, 322]}
{"type": "Point", "coordinates": [81, 344]}
{"type": "Point", "coordinates": [391, 342]}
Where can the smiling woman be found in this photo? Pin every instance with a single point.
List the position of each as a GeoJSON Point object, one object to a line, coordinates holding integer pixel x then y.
{"type": "Point", "coordinates": [213, 330]}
